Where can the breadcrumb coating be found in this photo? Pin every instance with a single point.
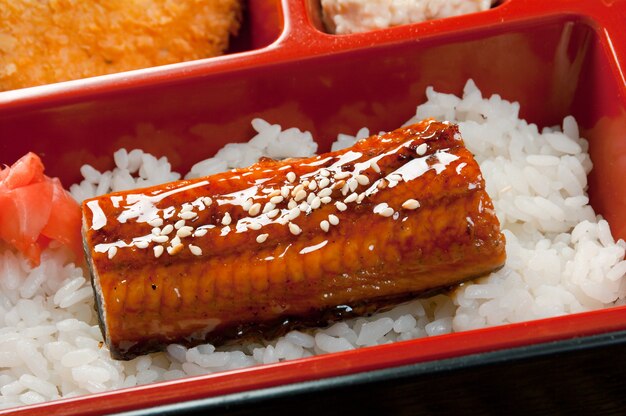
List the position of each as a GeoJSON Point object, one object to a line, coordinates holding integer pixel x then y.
{"type": "Point", "coordinates": [47, 41]}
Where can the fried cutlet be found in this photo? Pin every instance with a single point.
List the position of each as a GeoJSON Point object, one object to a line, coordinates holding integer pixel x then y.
{"type": "Point", "coordinates": [49, 41]}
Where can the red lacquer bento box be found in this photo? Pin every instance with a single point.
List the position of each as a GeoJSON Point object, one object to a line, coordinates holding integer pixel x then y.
{"type": "Point", "coordinates": [556, 58]}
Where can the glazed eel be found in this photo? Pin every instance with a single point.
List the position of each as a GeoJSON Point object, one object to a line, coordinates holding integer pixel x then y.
{"type": "Point", "coordinates": [290, 243]}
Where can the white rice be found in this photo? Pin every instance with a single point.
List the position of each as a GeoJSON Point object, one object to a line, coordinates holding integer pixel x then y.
{"type": "Point", "coordinates": [561, 259]}
{"type": "Point", "coordinates": [353, 16]}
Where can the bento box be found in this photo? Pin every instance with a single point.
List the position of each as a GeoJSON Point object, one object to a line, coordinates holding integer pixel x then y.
{"type": "Point", "coordinates": [541, 62]}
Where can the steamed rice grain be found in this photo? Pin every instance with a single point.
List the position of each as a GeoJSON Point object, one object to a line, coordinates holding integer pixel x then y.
{"type": "Point", "coordinates": [353, 16]}
{"type": "Point", "coordinates": [561, 259]}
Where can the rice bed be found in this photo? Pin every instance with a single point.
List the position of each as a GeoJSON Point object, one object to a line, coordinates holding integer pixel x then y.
{"type": "Point", "coordinates": [561, 258]}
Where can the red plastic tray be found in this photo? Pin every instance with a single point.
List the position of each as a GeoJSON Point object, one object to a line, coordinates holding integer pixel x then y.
{"type": "Point", "coordinates": [556, 58]}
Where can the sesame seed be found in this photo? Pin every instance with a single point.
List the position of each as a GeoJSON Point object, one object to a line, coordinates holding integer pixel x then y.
{"type": "Point", "coordinates": [305, 184]}
{"type": "Point", "coordinates": [323, 183]}
{"type": "Point", "coordinates": [353, 183]}
{"type": "Point", "coordinates": [175, 241]}
{"type": "Point", "coordinates": [200, 233]}
{"type": "Point", "coordinates": [175, 249]}
{"type": "Point", "coordinates": [300, 195]}
{"type": "Point", "coordinates": [351, 198]}
{"type": "Point", "coordinates": [345, 189]}
{"type": "Point", "coordinates": [284, 191]}
{"type": "Point", "coordinates": [291, 177]}
{"type": "Point", "coordinates": [112, 252]}
{"type": "Point", "coordinates": [339, 184]}
{"type": "Point", "coordinates": [169, 212]}
{"type": "Point", "coordinates": [292, 204]}
{"type": "Point", "coordinates": [195, 250]}
{"type": "Point", "coordinates": [411, 204]}
{"type": "Point", "coordinates": [293, 213]}
{"type": "Point", "coordinates": [387, 212]}
{"type": "Point", "coordinates": [324, 172]}
{"type": "Point", "coordinates": [158, 250]}
{"type": "Point", "coordinates": [312, 185]}
{"type": "Point", "coordinates": [394, 177]}
{"type": "Point", "coordinates": [316, 203]}
{"type": "Point", "coordinates": [304, 206]}
{"type": "Point", "coordinates": [188, 215]}
{"type": "Point", "coordinates": [378, 208]}
{"type": "Point", "coordinates": [254, 226]}
{"type": "Point", "coordinates": [341, 206]}
{"type": "Point", "coordinates": [184, 232]}
{"type": "Point", "coordinates": [294, 229]}
{"type": "Point", "coordinates": [274, 193]}
{"type": "Point", "coordinates": [325, 192]}
{"type": "Point", "coordinates": [326, 199]}
{"type": "Point", "coordinates": [341, 175]}
{"type": "Point", "coordinates": [297, 189]}
{"type": "Point", "coordinates": [167, 229]}
{"type": "Point", "coordinates": [160, 238]}
{"type": "Point", "coordinates": [254, 209]}
{"type": "Point", "coordinates": [179, 224]}
{"type": "Point", "coordinates": [382, 184]}
{"type": "Point", "coordinates": [273, 213]}
{"type": "Point", "coordinates": [226, 220]}
{"type": "Point", "coordinates": [268, 207]}
{"type": "Point", "coordinates": [156, 231]}
{"type": "Point", "coordinates": [142, 244]}
{"type": "Point", "coordinates": [421, 149]}
{"type": "Point", "coordinates": [156, 222]}
{"type": "Point", "coordinates": [261, 238]}
{"type": "Point", "coordinates": [325, 226]}
{"type": "Point", "coordinates": [186, 208]}
{"type": "Point", "coordinates": [360, 198]}
{"type": "Point", "coordinates": [207, 200]}
{"type": "Point", "coordinates": [362, 180]}
{"type": "Point", "coordinates": [333, 219]}
{"type": "Point", "coordinates": [247, 204]}
{"type": "Point", "coordinates": [276, 199]}
{"type": "Point", "coordinates": [375, 166]}
{"type": "Point", "coordinates": [310, 197]}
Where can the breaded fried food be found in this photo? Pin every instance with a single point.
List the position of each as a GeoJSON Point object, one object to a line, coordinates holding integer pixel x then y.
{"type": "Point", "coordinates": [47, 41]}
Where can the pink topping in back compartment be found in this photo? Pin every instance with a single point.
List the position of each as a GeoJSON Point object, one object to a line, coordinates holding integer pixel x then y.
{"type": "Point", "coordinates": [35, 209]}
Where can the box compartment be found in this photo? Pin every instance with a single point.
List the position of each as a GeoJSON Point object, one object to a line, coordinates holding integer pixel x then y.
{"type": "Point", "coordinates": [554, 62]}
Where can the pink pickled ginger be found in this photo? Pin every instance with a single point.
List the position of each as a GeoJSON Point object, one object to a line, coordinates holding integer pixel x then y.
{"type": "Point", "coordinates": [35, 209]}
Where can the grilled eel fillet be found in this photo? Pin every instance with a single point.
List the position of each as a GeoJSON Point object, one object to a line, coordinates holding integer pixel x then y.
{"type": "Point", "coordinates": [292, 242]}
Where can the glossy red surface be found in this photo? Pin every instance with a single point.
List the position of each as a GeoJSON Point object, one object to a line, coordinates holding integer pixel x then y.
{"type": "Point", "coordinates": [556, 58]}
